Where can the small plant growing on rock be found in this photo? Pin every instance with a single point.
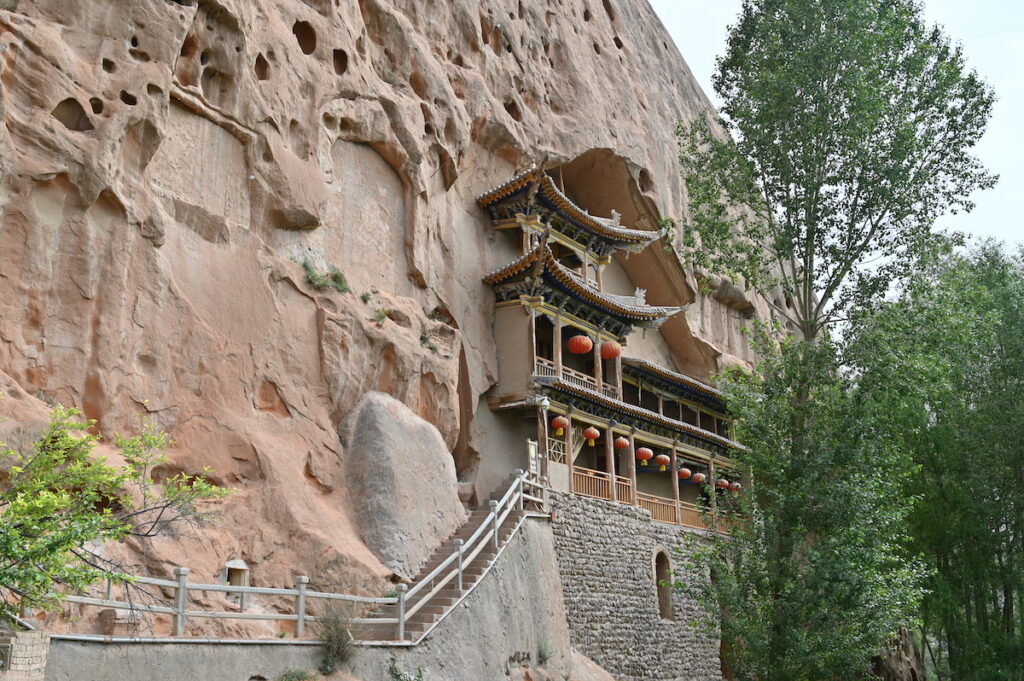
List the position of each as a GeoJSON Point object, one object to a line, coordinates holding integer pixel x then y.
{"type": "Point", "coordinates": [365, 296]}
{"type": "Point", "coordinates": [544, 652]}
{"type": "Point", "coordinates": [397, 674]}
{"type": "Point", "coordinates": [382, 314]}
{"type": "Point", "coordinates": [297, 675]}
{"type": "Point", "coordinates": [321, 282]}
{"type": "Point", "coordinates": [339, 646]}
{"type": "Point", "coordinates": [428, 342]}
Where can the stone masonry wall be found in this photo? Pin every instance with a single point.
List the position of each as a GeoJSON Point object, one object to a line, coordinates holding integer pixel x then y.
{"type": "Point", "coordinates": [27, 655]}
{"type": "Point", "coordinates": [606, 554]}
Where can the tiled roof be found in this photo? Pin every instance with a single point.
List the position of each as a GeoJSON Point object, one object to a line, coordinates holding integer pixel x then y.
{"type": "Point", "coordinates": [603, 227]}
{"type": "Point", "coordinates": [640, 412]}
{"type": "Point", "coordinates": [572, 282]}
{"type": "Point", "coordinates": [709, 393]}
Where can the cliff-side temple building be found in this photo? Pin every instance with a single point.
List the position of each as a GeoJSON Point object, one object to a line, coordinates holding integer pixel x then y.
{"type": "Point", "coordinates": [611, 423]}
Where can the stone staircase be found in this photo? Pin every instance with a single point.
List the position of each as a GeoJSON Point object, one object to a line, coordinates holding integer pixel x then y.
{"type": "Point", "coordinates": [433, 599]}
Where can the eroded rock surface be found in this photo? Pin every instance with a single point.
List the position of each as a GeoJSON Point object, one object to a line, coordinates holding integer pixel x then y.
{"type": "Point", "coordinates": [401, 478]}
{"type": "Point", "coordinates": [166, 166]}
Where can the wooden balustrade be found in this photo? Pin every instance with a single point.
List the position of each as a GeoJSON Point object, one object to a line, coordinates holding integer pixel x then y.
{"type": "Point", "coordinates": [544, 367]}
{"type": "Point", "coordinates": [623, 489]}
{"type": "Point", "coordinates": [556, 450]}
{"type": "Point", "coordinates": [591, 483]}
{"type": "Point", "coordinates": [597, 484]}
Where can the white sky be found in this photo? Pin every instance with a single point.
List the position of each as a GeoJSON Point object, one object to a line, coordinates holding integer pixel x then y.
{"type": "Point", "coordinates": [992, 34]}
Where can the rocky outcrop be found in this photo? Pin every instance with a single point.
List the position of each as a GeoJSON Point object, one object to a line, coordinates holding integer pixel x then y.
{"type": "Point", "coordinates": [401, 479]}
{"type": "Point", "coordinates": [167, 167]}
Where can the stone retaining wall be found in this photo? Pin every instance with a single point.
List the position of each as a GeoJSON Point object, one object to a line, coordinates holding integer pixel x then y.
{"type": "Point", "coordinates": [606, 555]}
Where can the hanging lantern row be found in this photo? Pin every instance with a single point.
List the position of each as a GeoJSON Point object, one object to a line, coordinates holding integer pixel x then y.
{"type": "Point", "coordinates": [591, 434]}
{"type": "Point", "coordinates": [580, 345]}
{"type": "Point", "coordinates": [684, 473]}
{"type": "Point", "coordinates": [644, 454]}
{"type": "Point", "coordinates": [663, 460]}
{"type": "Point", "coordinates": [559, 423]}
{"type": "Point", "coordinates": [699, 478]}
{"type": "Point", "coordinates": [621, 443]}
{"type": "Point", "coordinates": [735, 486]}
{"type": "Point", "coordinates": [722, 483]}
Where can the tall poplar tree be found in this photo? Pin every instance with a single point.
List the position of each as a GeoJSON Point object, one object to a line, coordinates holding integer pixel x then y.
{"type": "Point", "coordinates": [846, 129]}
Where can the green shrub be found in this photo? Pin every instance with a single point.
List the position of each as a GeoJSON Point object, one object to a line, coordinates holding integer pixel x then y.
{"type": "Point", "coordinates": [397, 674]}
{"type": "Point", "coordinates": [297, 675]}
{"type": "Point", "coordinates": [544, 652]}
{"type": "Point", "coordinates": [321, 282]}
{"type": "Point", "coordinates": [332, 628]}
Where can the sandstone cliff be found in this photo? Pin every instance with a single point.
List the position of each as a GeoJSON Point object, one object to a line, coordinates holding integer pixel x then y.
{"type": "Point", "coordinates": [166, 166]}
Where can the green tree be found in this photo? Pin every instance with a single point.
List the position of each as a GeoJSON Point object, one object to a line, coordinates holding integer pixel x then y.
{"type": "Point", "coordinates": [952, 347]}
{"type": "Point", "coordinates": [59, 501]}
{"type": "Point", "coordinates": [817, 579]}
{"type": "Point", "coordinates": [846, 130]}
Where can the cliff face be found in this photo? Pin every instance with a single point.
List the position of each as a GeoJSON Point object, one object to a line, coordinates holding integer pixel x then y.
{"type": "Point", "coordinates": [166, 166]}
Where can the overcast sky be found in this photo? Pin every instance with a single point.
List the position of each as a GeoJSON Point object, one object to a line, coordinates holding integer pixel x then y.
{"type": "Point", "coordinates": [992, 33]}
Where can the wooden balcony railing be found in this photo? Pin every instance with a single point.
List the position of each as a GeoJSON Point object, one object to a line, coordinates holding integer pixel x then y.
{"type": "Point", "coordinates": [623, 489]}
{"type": "Point", "coordinates": [597, 484]}
{"type": "Point", "coordinates": [547, 368]}
{"type": "Point", "coordinates": [544, 367]}
{"type": "Point", "coordinates": [579, 378]}
{"type": "Point", "coordinates": [591, 483]}
{"type": "Point", "coordinates": [663, 510]}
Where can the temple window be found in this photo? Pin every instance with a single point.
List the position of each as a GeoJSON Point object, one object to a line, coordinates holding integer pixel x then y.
{"type": "Point", "coordinates": [663, 579]}
{"type": "Point", "coordinates": [687, 415]}
{"type": "Point", "coordinates": [649, 400]}
{"type": "Point", "coordinates": [236, 573]}
{"type": "Point", "coordinates": [630, 393]}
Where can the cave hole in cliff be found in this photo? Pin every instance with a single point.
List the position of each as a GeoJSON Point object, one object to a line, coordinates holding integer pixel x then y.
{"type": "Point", "coordinates": [305, 35]}
{"type": "Point", "coordinates": [609, 10]}
{"type": "Point", "coordinates": [513, 110]}
{"type": "Point", "coordinates": [204, 57]}
{"type": "Point", "coordinates": [128, 98]}
{"type": "Point", "coordinates": [663, 578]}
{"type": "Point", "coordinates": [262, 67]}
{"type": "Point", "coordinates": [96, 104]}
{"type": "Point", "coordinates": [183, 3]}
{"type": "Point", "coordinates": [340, 62]}
{"type": "Point", "coordinates": [586, 14]}
{"type": "Point", "coordinates": [72, 116]}
{"type": "Point", "coordinates": [189, 46]}
{"type": "Point", "coordinates": [154, 90]}
{"type": "Point", "coordinates": [134, 41]}
{"type": "Point", "coordinates": [597, 48]}
{"type": "Point", "coordinates": [618, 42]}
{"type": "Point", "coordinates": [109, 66]}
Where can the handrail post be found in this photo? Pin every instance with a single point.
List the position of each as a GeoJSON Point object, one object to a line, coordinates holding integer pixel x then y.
{"type": "Point", "coordinates": [458, 547]}
{"type": "Point", "coordinates": [180, 596]}
{"type": "Point", "coordinates": [401, 589]}
{"type": "Point", "coordinates": [110, 589]}
{"type": "Point", "coordinates": [519, 484]}
{"type": "Point", "coordinates": [494, 516]}
{"type": "Point", "coordinates": [300, 605]}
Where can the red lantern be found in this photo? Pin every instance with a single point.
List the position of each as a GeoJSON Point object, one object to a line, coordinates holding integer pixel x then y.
{"type": "Point", "coordinates": [644, 455]}
{"type": "Point", "coordinates": [580, 345]}
{"type": "Point", "coordinates": [699, 478]}
{"type": "Point", "coordinates": [663, 460]}
{"type": "Point", "coordinates": [610, 350]}
{"type": "Point", "coordinates": [621, 443]}
{"type": "Point", "coordinates": [722, 483]}
{"type": "Point", "coordinates": [559, 423]}
{"type": "Point", "coordinates": [735, 487]}
{"type": "Point", "coordinates": [685, 473]}
{"type": "Point", "coordinates": [591, 433]}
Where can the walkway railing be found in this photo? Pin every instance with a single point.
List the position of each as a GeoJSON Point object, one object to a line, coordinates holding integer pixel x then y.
{"type": "Point", "coordinates": [591, 483]}
{"type": "Point", "coordinates": [526, 492]}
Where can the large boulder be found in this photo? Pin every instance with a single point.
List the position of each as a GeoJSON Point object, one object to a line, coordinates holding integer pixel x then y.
{"type": "Point", "coordinates": [401, 480]}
